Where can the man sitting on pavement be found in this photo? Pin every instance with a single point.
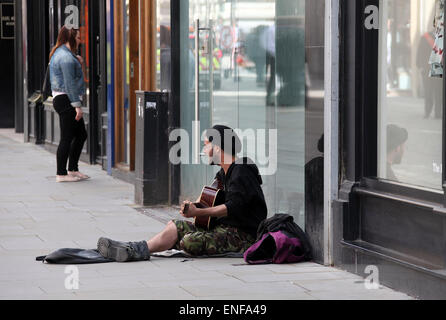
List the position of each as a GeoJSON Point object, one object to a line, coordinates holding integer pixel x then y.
{"type": "Point", "coordinates": [235, 222]}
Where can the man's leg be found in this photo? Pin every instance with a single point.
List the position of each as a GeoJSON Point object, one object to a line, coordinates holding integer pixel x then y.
{"type": "Point", "coordinates": [222, 239]}
{"type": "Point", "coordinates": [139, 251]}
{"type": "Point", "coordinates": [164, 240]}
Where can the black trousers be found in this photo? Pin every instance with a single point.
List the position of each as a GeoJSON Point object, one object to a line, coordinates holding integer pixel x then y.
{"type": "Point", "coordinates": [271, 85]}
{"type": "Point", "coordinates": [433, 96]}
{"type": "Point", "coordinates": [73, 136]}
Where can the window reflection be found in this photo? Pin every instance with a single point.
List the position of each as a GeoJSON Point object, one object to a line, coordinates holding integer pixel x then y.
{"type": "Point", "coordinates": [411, 95]}
{"type": "Point", "coordinates": [252, 78]}
{"type": "Point", "coordinates": [163, 67]}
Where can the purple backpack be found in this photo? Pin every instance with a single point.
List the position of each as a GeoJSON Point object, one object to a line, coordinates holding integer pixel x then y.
{"type": "Point", "coordinates": [275, 247]}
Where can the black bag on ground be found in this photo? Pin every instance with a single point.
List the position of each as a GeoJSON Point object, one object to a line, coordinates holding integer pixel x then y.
{"type": "Point", "coordinates": [74, 256]}
{"type": "Point", "coordinates": [286, 224]}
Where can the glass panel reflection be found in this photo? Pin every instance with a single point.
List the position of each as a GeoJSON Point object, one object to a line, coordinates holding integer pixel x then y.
{"type": "Point", "coordinates": [411, 98]}
{"type": "Point", "coordinates": [252, 78]}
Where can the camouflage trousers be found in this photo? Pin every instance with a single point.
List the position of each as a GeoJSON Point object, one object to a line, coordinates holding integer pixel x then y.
{"type": "Point", "coordinates": [221, 239]}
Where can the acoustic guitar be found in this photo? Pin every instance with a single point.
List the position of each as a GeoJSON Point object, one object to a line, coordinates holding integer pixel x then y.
{"type": "Point", "coordinates": [211, 196]}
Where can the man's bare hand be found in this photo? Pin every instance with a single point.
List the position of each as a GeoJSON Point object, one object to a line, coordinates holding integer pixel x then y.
{"type": "Point", "coordinates": [188, 210]}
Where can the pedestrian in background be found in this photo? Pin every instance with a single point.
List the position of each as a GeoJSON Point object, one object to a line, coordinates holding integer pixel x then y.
{"type": "Point", "coordinates": [68, 88]}
{"type": "Point", "coordinates": [433, 93]}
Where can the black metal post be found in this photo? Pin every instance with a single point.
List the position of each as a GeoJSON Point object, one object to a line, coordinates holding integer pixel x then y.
{"type": "Point", "coordinates": [18, 68]}
{"type": "Point", "coordinates": [152, 152]}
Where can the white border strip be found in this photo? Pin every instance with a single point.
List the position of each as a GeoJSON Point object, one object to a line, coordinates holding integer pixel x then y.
{"type": "Point", "coordinates": [331, 126]}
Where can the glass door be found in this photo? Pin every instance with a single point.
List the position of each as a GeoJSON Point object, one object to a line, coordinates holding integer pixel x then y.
{"type": "Point", "coordinates": [197, 73]}
{"type": "Point", "coordinates": [250, 66]}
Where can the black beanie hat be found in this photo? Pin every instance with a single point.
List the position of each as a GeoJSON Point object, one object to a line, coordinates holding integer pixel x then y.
{"type": "Point", "coordinates": [225, 134]}
{"type": "Point", "coordinates": [396, 136]}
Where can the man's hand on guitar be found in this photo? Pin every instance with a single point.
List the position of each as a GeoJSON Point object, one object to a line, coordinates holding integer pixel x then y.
{"type": "Point", "coordinates": [188, 210]}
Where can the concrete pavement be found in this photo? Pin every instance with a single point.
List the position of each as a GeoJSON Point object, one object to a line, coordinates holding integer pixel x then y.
{"type": "Point", "coordinates": [38, 216]}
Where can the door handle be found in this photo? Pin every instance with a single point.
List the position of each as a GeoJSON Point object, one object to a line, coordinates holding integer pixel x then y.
{"type": "Point", "coordinates": [196, 125]}
{"type": "Point", "coordinates": [211, 68]}
{"type": "Point", "coordinates": [197, 154]}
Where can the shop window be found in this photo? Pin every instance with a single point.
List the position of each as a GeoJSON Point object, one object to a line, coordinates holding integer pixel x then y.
{"type": "Point", "coordinates": [410, 105]}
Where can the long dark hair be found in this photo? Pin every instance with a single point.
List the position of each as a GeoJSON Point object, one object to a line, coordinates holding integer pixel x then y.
{"type": "Point", "coordinates": [66, 35]}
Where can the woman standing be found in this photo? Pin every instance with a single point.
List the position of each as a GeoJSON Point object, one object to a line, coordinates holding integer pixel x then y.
{"type": "Point", "coordinates": [68, 87]}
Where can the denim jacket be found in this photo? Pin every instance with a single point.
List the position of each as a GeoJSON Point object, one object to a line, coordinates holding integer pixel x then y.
{"type": "Point", "coordinates": [66, 75]}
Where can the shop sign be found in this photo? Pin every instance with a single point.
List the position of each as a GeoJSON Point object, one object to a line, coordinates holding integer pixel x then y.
{"type": "Point", "coordinates": [7, 20]}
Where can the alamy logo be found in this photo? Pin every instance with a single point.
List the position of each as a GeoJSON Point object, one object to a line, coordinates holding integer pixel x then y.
{"type": "Point", "coordinates": [72, 19]}
{"type": "Point", "coordinates": [72, 281]}
{"type": "Point", "coordinates": [259, 145]}
{"type": "Point", "coordinates": [372, 19]}
{"type": "Point", "coordinates": [372, 281]}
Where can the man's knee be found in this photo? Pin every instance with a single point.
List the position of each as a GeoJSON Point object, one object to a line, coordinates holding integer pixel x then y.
{"type": "Point", "coordinates": [193, 244]}
{"type": "Point", "coordinates": [171, 225]}
{"type": "Point", "coordinates": [198, 244]}
{"type": "Point", "coordinates": [172, 229]}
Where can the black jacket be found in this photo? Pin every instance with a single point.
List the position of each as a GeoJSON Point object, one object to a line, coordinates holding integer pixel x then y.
{"type": "Point", "coordinates": [244, 197]}
{"type": "Point", "coordinates": [286, 224]}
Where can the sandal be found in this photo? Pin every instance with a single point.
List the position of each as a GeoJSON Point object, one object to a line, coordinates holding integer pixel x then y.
{"type": "Point", "coordinates": [67, 178]}
{"type": "Point", "coordinates": [78, 175]}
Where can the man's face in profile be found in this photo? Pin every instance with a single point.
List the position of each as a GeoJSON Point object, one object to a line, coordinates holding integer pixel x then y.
{"type": "Point", "coordinates": [210, 153]}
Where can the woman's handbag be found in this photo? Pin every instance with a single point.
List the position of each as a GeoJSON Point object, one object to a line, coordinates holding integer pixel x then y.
{"type": "Point", "coordinates": [46, 87]}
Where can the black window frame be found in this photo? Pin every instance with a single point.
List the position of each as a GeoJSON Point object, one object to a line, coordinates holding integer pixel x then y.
{"type": "Point", "coordinates": [359, 181]}
{"type": "Point", "coordinates": [360, 155]}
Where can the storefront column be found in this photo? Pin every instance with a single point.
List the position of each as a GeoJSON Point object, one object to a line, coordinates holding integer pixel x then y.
{"type": "Point", "coordinates": [110, 87]}
{"type": "Point", "coordinates": [147, 28]}
{"type": "Point", "coordinates": [19, 67]}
